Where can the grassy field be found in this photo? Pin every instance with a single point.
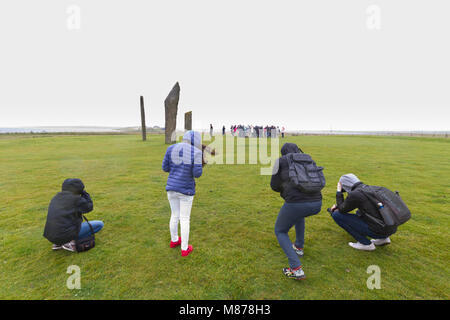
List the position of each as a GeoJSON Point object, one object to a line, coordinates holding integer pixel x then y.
{"type": "Point", "coordinates": [236, 254]}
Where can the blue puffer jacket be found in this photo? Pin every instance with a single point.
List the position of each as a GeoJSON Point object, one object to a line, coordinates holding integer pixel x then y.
{"type": "Point", "coordinates": [183, 161]}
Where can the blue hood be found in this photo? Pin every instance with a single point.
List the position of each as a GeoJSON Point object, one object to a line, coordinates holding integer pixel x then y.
{"type": "Point", "coordinates": [183, 161]}
{"type": "Point", "coordinates": [194, 138]}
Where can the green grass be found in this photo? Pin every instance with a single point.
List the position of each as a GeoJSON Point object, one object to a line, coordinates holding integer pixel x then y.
{"type": "Point", "coordinates": [236, 254]}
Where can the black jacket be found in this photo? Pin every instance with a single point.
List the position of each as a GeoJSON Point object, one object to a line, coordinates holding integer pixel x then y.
{"type": "Point", "coordinates": [64, 212]}
{"type": "Point", "coordinates": [356, 199]}
{"type": "Point", "coordinates": [280, 179]}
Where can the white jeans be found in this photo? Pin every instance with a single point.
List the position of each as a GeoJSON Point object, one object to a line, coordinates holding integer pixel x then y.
{"type": "Point", "coordinates": [181, 205]}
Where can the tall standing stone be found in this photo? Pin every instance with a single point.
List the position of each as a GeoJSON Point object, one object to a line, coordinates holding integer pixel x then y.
{"type": "Point", "coordinates": [143, 126]}
{"type": "Point", "coordinates": [188, 121]}
{"type": "Point", "coordinates": [171, 106]}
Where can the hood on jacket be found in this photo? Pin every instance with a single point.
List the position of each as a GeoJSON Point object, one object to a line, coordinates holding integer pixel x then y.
{"type": "Point", "coordinates": [194, 138]}
{"type": "Point", "coordinates": [75, 186]}
{"type": "Point", "coordinates": [348, 181]}
{"type": "Point", "coordinates": [289, 148]}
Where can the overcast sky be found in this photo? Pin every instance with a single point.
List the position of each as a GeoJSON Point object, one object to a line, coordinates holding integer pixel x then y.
{"type": "Point", "coordinates": [312, 65]}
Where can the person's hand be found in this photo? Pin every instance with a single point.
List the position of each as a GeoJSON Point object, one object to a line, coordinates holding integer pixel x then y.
{"type": "Point", "coordinates": [333, 207]}
{"type": "Point", "coordinates": [339, 187]}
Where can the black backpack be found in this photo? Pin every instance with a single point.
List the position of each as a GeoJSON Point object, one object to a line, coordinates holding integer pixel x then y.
{"type": "Point", "coordinates": [390, 205]}
{"type": "Point", "coordinates": [304, 173]}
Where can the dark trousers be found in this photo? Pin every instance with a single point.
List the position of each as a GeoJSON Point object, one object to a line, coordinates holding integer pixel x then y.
{"type": "Point", "coordinates": [356, 226]}
{"type": "Point", "coordinates": [294, 214]}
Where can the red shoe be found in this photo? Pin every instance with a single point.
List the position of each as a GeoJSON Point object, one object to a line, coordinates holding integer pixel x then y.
{"type": "Point", "coordinates": [175, 244]}
{"type": "Point", "coordinates": [185, 253]}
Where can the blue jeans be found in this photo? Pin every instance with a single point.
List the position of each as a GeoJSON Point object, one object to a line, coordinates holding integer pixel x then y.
{"type": "Point", "coordinates": [294, 214]}
{"type": "Point", "coordinates": [356, 226]}
{"type": "Point", "coordinates": [85, 231]}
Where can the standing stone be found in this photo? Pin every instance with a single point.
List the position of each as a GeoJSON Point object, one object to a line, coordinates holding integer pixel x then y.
{"type": "Point", "coordinates": [171, 105]}
{"type": "Point", "coordinates": [188, 121]}
{"type": "Point", "coordinates": [143, 126]}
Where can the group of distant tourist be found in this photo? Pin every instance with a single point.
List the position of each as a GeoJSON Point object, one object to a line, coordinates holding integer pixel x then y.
{"type": "Point", "coordinates": [296, 177]}
{"type": "Point", "coordinates": [256, 131]}
{"type": "Point", "coordinates": [251, 131]}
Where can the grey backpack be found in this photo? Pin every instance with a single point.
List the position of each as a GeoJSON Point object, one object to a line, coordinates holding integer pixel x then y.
{"type": "Point", "coordinates": [392, 208]}
{"type": "Point", "coordinates": [304, 173]}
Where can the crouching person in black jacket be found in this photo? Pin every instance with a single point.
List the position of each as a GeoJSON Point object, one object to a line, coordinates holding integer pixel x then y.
{"type": "Point", "coordinates": [65, 223]}
{"type": "Point", "coordinates": [360, 225]}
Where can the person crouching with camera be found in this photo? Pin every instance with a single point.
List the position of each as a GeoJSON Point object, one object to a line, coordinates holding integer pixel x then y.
{"type": "Point", "coordinates": [362, 224]}
{"type": "Point", "coordinates": [64, 226]}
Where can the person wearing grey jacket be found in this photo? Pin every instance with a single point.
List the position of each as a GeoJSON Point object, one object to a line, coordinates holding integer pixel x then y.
{"type": "Point", "coordinates": [359, 225]}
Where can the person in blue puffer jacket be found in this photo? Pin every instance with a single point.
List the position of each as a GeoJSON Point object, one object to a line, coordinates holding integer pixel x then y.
{"type": "Point", "coordinates": [183, 161]}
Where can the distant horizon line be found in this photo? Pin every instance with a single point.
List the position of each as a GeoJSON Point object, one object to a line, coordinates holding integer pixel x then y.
{"type": "Point", "coordinates": [227, 131]}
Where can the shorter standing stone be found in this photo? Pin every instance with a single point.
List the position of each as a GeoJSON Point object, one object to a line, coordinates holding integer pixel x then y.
{"type": "Point", "coordinates": [188, 121]}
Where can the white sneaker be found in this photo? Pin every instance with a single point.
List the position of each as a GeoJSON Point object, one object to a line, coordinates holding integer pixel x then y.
{"type": "Point", "coordinates": [361, 246]}
{"type": "Point", "coordinates": [56, 247]}
{"type": "Point", "coordinates": [381, 242]}
{"type": "Point", "coordinates": [296, 274]}
{"type": "Point", "coordinates": [70, 246]}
